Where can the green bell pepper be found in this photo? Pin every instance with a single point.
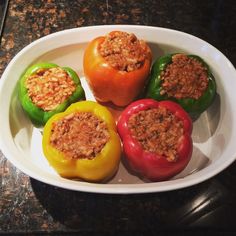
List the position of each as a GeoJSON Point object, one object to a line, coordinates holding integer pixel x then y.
{"type": "Point", "coordinates": [37, 115]}
{"type": "Point", "coordinates": [193, 106]}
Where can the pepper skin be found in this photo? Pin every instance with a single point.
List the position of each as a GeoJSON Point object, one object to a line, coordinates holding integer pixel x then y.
{"type": "Point", "coordinates": [101, 167]}
{"type": "Point", "coordinates": [151, 165]}
{"type": "Point", "coordinates": [109, 84]}
{"type": "Point", "coordinates": [193, 106]}
{"type": "Point", "coordinates": [37, 115]}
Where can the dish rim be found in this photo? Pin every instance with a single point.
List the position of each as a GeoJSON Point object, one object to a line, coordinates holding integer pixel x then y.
{"type": "Point", "coordinates": [110, 188]}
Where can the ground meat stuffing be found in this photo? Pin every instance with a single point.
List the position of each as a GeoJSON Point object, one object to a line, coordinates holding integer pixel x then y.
{"type": "Point", "coordinates": [158, 131]}
{"type": "Point", "coordinates": [123, 51]}
{"type": "Point", "coordinates": [48, 88]}
{"type": "Point", "coordinates": [79, 135]}
{"type": "Point", "coordinates": [184, 78]}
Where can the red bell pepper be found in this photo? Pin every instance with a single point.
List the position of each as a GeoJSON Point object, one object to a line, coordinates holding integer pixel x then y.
{"type": "Point", "coordinates": [148, 164]}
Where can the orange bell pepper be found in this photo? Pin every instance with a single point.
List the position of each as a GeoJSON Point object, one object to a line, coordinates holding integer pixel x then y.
{"type": "Point", "coordinates": [109, 84]}
{"type": "Point", "coordinates": [103, 165]}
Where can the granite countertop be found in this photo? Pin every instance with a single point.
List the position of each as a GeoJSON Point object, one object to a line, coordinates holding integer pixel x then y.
{"type": "Point", "coordinates": [29, 206]}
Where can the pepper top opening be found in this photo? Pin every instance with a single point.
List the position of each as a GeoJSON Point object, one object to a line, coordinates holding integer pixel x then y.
{"type": "Point", "coordinates": [157, 130]}
{"type": "Point", "coordinates": [123, 51]}
{"type": "Point", "coordinates": [48, 88]}
{"type": "Point", "coordinates": [185, 77]}
{"type": "Point", "coordinates": [79, 135]}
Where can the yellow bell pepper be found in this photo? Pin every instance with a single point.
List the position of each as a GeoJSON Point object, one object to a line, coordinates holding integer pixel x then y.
{"type": "Point", "coordinates": [102, 166]}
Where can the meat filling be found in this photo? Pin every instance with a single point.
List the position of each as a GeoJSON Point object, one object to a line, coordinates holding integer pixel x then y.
{"type": "Point", "coordinates": [79, 135]}
{"type": "Point", "coordinates": [158, 131]}
{"type": "Point", "coordinates": [184, 78]}
{"type": "Point", "coordinates": [47, 88]}
{"type": "Point", "coordinates": [123, 51]}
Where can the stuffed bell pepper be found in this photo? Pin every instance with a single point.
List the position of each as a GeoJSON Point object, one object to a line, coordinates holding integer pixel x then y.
{"type": "Point", "coordinates": [82, 142]}
{"type": "Point", "coordinates": [116, 67]}
{"type": "Point", "coordinates": [185, 79]}
{"type": "Point", "coordinates": [156, 138]}
{"type": "Point", "coordinates": [46, 89]}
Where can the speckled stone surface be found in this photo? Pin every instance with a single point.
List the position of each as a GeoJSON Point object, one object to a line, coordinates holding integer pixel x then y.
{"type": "Point", "coordinates": [29, 206]}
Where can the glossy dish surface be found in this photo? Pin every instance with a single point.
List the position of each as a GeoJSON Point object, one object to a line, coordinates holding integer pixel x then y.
{"type": "Point", "coordinates": [213, 134]}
